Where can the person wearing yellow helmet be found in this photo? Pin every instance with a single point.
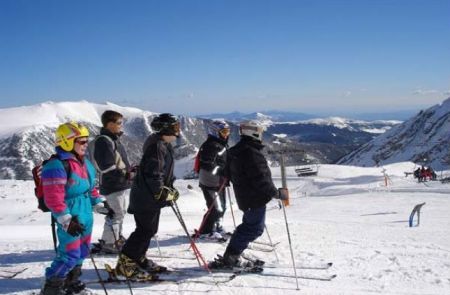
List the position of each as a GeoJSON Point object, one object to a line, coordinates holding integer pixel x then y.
{"type": "Point", "coordinates": [68, 182]}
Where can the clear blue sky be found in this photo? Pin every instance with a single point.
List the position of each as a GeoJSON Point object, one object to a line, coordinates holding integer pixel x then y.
{"type": "Point", "coordinates": [209, 56]}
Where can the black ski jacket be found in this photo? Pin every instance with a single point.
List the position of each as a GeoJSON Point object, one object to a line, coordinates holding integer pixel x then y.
{"type": "Point", "coordinates": [113, 159]}
{"type": "Point", "coordinates": [155, 171]}
{"type": "Point", "coordinates": [251, 177]}
{"type": "Point", "coordinates": [212, 154]}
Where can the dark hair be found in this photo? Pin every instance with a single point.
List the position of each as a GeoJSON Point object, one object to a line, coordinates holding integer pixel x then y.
{"type": "Point", "coordinates": [110, 116]}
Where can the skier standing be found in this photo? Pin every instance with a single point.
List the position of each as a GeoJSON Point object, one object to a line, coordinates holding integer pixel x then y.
{"type": "Point", "coordinates": [110, 159]}
{"type": "Point", "coordinates": [70, 194]}
{"type": "Point", "coordinates": [212, 159]}
{"type": "Point", "coordinates": [253, 187]}
{"type": "Point", "coordinates": [152, 190]}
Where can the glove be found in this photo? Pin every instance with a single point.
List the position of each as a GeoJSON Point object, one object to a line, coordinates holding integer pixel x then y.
{"type": "Point", "coordinates": [71, 225]}
{"type": "Point", "coordinates": [131, 173]}
{"type": "Point", "coordinates": [167, 194]}
{"type": "Point", "coordinates": [283, 194]}
{"type": "Point", "coordinates": [103, 208]}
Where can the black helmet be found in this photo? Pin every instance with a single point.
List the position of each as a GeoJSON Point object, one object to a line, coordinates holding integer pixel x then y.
{"type": "Point", "coordinates": [166, 124]}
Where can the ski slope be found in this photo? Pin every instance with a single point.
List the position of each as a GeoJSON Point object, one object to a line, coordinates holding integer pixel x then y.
{"type": "Point", "coordinates": [345, 215]}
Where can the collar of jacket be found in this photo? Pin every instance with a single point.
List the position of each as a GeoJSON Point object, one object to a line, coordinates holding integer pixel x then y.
{"type": "Point", "coordinates": [221, 141]}
{"type": "Point", "coordinates": [252, 142]}
{"type": "Point", "coordinates": [63, 155]}
{"type": "Point", "coordinates": [106, 132]}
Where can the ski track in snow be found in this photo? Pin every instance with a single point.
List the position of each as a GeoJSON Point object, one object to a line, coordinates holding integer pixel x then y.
{"type": "Point", "coordinates": [345, 215]}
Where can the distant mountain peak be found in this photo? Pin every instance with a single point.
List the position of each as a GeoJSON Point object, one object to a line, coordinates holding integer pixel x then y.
{"type": "Point", "coordinates": [424, 136]}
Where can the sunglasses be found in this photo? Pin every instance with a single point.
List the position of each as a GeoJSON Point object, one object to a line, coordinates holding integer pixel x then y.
{"type": "Point", "coordinates": [81, 142]}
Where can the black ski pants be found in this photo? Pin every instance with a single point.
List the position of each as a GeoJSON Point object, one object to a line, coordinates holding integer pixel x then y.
{"type": "Point", "coordinates": [146, 227]}
{"type": "Point", "coordinates": [218, 210]}
{"type": "Point", "coordinates": [251, 228]}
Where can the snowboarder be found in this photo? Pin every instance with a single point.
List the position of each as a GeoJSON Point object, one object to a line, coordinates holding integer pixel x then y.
{"type": "Point", "coordinates": [253, 187]}
{"type": "Point", "coordinates": [111, 161]}
{"type": "Point", "coordinates": [70, 198]}
{"type": "Point", "coordinates": [212, 159]}
{"type": "Point", "coordinates": [152, 189]}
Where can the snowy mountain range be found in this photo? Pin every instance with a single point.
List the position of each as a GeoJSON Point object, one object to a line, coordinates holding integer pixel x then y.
{"type": "Point", "coordinates": [423, 139]}
{"type": "Point", "coordinates": [26, 134]}
{"type": "Point", "coordinates": [275, 116]}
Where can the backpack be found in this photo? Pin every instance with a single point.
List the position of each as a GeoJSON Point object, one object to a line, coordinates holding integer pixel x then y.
{"type": "Point", "coordinates": [197, 163]}
{"type": "Point", "coordinates": [117, 157]}
{"type": "Point", "coordinates": [38, 189]}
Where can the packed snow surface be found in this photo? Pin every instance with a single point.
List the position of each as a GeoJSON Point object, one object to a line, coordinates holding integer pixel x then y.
{"type": "Point", "coordinates": [345, 215]}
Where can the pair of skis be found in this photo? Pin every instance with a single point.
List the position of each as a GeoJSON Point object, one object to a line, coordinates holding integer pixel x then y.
{"type": "Point", "coordinates": [223, 276]}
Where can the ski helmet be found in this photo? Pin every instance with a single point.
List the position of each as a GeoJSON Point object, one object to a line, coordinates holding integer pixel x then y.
{"type": "Point", "coordinates": [66, 134]}
{"type": "Point", "coordinates": [252, 128]}
{"type": "Point", "coordinates": [166, 124]}
{"type": "Point", "coordinates": [219, 129]}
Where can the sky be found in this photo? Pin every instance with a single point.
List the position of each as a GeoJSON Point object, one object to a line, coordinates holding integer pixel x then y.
{"type": "Point", "coordinates": [200, 57]}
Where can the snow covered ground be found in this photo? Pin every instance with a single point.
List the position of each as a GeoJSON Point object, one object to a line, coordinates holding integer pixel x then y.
{"type": "Point", "coordinates": [345, 215]}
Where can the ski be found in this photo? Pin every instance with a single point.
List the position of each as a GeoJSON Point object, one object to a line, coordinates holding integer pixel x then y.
{"type": "Point", "coordinates": [299, 265]}
{"type": "Point", "coordinates": [170, 256]}
{"type": "Point", "coordinates": [169, 280]}
{"type": "Point", "coordinates": [266, 243]}
{"type": "Point", "coordinates": [260, 271]}
{"type": "Point", "coordinates": [11, 274]}
{"type": "Point", "coordinates": [259, 248]}
{"type": "Point", "coordinates": [325, 277]}
{"type": "Point", "coordinates": [176, 276]}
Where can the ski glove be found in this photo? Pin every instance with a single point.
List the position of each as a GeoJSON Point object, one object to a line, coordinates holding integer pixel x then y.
{"type": "Point", "coordinates": [167, 194]}
{"type": "Point", "coordinates": [71, 225]}
{"type": "Point", "coordinates": [105, 209]}
{"type": "Point", "coordinates": [283, 194]}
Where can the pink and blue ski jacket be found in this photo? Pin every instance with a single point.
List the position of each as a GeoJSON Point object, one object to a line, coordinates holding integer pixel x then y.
{"type": "Point", "coordinates": [73, 194]}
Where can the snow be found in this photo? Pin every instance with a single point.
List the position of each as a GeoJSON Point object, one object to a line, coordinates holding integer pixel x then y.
{"type": "Point", "coordinates": [345, 215]}
{"type": "Point", "coordinates": [52, 114]}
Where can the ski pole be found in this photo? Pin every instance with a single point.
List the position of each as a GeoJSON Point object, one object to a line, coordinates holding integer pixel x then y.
{"type": "Point", "coordinates": [197, 253]}
{"type": "Point", "coordinates": [290, 243]}
{"type": "Point", "coordinates": [284, 185]}
{"type": "Point", "coordinates": [270, 241]}
{"type": "Point", "coordinates": [53, 226]}
{"type": "Point", "coordinates": [157, 245]}
{"type": "Point", "coordinates": [98, 273]}
{"type": "Point", "coordinates": [231, 207]}
{"type": "Point", "coordinates": [109, 222]}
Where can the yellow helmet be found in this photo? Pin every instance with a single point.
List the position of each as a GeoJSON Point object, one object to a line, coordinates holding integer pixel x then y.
{"type": "Point", "coordinates": [67, 133]}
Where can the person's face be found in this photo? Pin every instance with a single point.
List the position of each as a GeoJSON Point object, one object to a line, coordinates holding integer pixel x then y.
{"type": "Point", "coordinates": [80, 145]}
{"type": "Point", "coordinates": [116, 126]}
{"type": "Point", "coordinates": [224, 133]}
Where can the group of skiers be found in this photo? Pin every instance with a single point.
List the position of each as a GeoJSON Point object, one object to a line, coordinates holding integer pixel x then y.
{"type": "Point", "coordinates": [422, 174]}
{"type": "Point", "coordinates": [69, 186]}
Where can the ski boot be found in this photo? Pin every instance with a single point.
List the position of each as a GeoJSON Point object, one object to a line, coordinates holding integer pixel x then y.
{"type": "Point", "coordinates": [150, 266]}
{"type": "Point", "coordinates": [53, 286]}
{"type": "Point", "coordinates": [73, 285]}
{"type": "Point", "coordinates": [104, 248]}
{"type": "Point", "coordinates": [234, 262]}
{"type": "Point", "coordinates": [130, 269]}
